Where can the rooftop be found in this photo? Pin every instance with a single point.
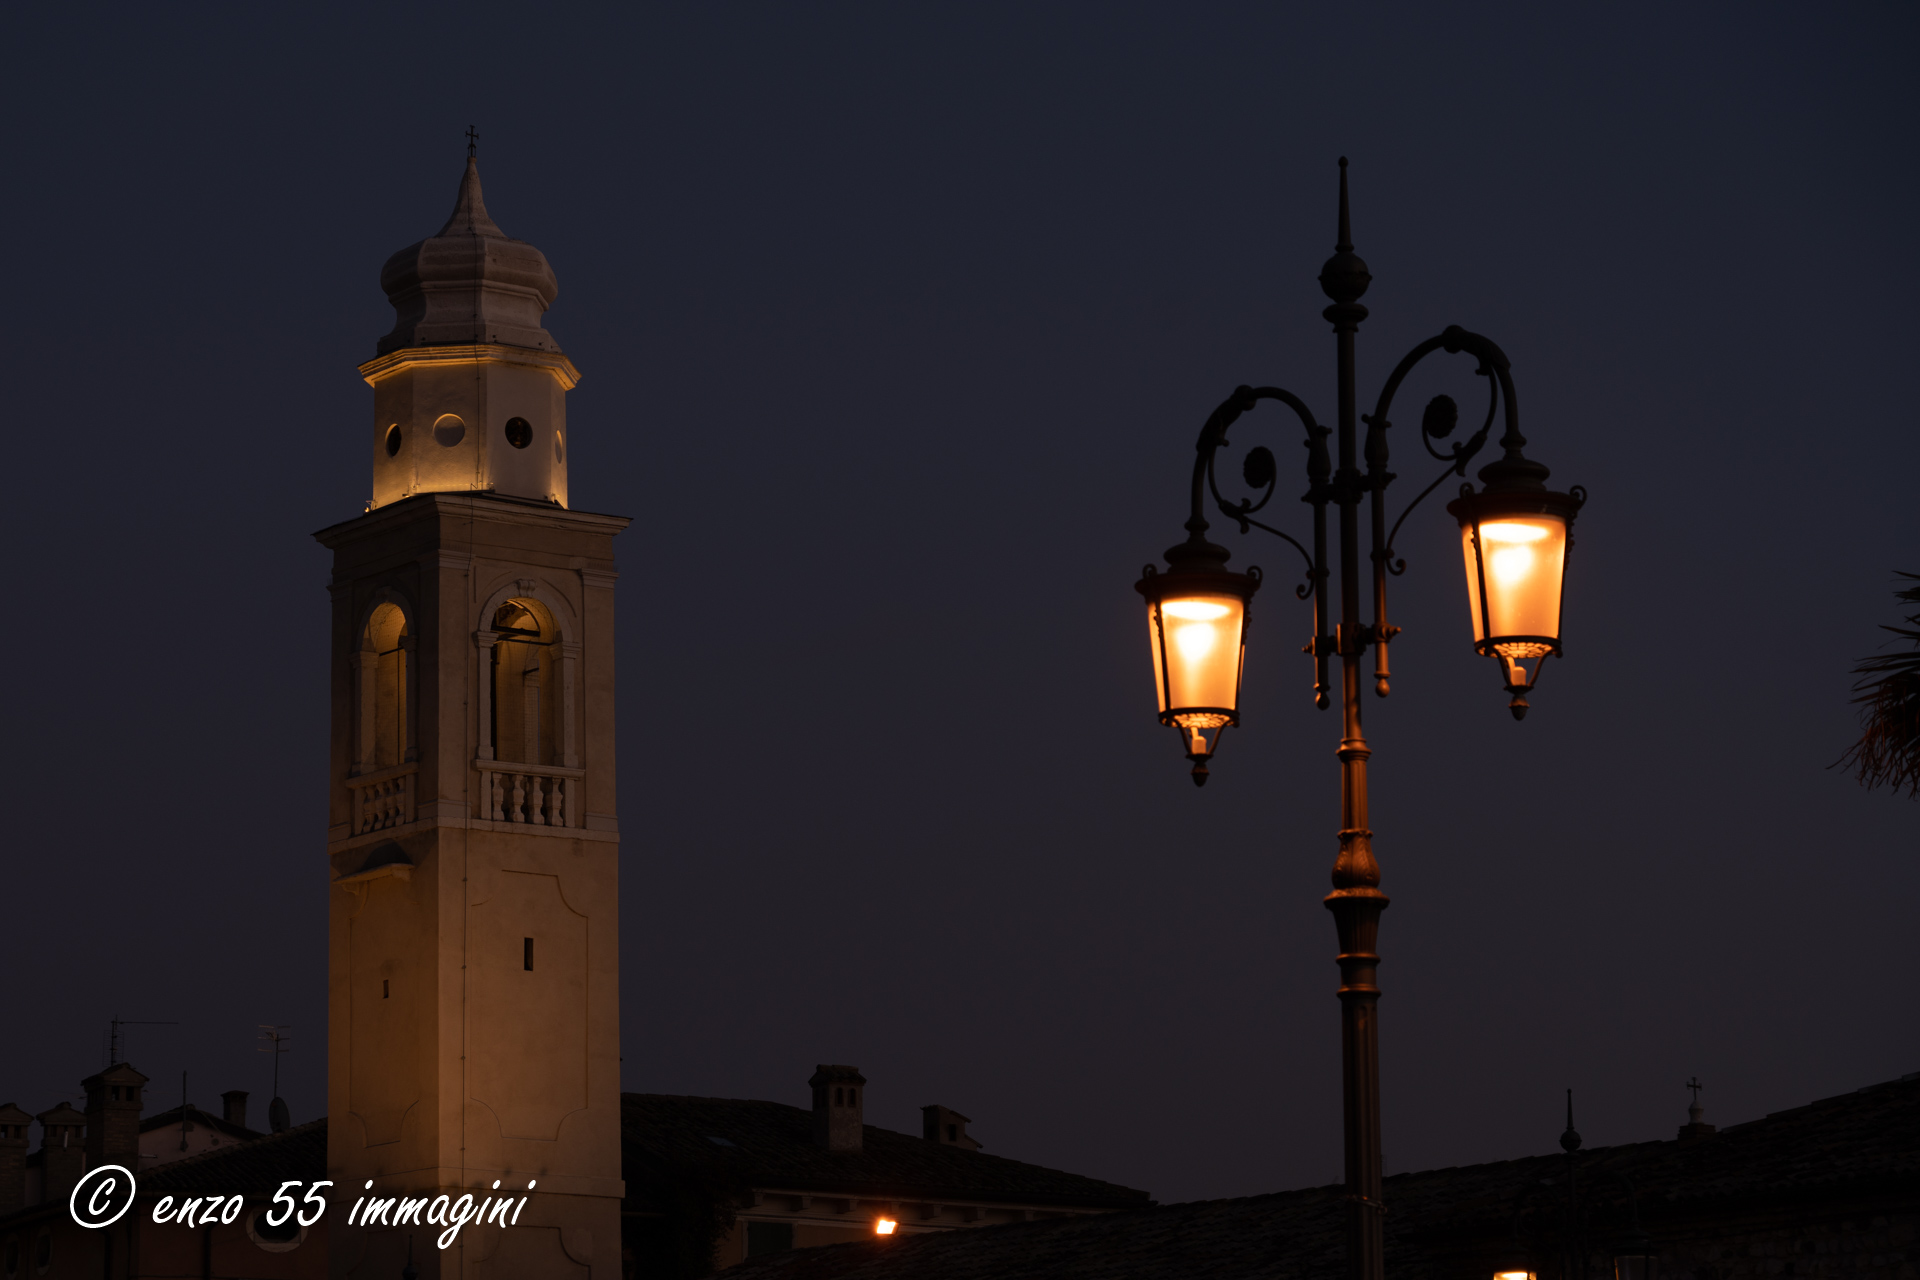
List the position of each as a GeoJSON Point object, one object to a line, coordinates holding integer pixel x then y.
{"type": "Point", "coordinates": [771, 1145]}
{"type": "Point", "coordinates": [1828, 1151]}
{"type": "Point", "coordinates": [251, 1168]}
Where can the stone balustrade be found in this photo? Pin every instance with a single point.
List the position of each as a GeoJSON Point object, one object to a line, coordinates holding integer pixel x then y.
{"type": "Point", "coordinates": [383, 798]}
{"type": "Point", "coordinates": [540, 795]}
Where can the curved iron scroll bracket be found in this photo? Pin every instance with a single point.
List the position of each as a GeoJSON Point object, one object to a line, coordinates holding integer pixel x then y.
{"type": "Point", "coordinates": [1493, 367]}
{"type": "Point", "coordinates": [1260, 471]}
{"type": "Point", "coordinates": [1437, 423]}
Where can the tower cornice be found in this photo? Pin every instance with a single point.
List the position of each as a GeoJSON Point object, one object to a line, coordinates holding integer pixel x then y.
{"type": "Point", "coordinates": [393, 362]}
{"type": "Point", "coordinates": [478, 504]}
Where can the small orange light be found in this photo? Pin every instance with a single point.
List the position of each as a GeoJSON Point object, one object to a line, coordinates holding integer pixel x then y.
{"type": "Point", "coordinates": [1513, 1275]}
{"type": "Point", "coordinates": [884, 1227]}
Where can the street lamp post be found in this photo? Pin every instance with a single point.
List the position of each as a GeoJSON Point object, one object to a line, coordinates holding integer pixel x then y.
{"type": "Point", "coordinates": [1515, 534]}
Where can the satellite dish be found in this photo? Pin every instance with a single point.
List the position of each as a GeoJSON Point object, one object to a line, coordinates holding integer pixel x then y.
{"type": "Point", "coordinates": [278, 1120]}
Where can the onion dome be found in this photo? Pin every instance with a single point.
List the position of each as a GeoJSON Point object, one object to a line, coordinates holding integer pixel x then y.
{"type": "Point", "coordinates": [469, 284]}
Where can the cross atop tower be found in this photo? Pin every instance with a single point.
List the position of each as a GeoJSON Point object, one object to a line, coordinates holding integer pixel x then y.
{"type": "Point", "coordinates": [1696, 1126]}
{"type": "Point", "coordinates": [473, 142]}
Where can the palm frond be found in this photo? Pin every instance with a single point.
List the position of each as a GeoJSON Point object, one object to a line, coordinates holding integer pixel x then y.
{"type": "Point", "coordinates": [1889, 696]}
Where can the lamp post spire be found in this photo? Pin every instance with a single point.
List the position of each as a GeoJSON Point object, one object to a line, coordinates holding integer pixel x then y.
{"type": "Point", "coordinates": [1345, 242]}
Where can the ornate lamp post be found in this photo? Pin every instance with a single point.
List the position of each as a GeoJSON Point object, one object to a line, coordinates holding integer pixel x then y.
{"type": "Point", "coordinates": [1516, 534]}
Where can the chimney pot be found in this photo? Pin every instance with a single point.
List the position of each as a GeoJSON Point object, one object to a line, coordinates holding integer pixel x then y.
{"type": "Point", "coordinates": [13, 1157]}
{"type": "Point", "coordinates": [61, 1155]}
{"type": "Point", "coordinates": [838, 1107]}
{"type": "Point", "coordinates": [233, 1107]}
{"type": "Point", "coordinates": [113, 1116]}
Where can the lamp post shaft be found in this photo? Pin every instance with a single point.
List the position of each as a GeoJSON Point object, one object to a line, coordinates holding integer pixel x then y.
{"type": "Point", "coordinates": [1356, 900]}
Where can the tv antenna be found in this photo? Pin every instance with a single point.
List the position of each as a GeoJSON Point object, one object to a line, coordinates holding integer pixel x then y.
{"type": "Point", "coordinates": [113, 1034]}
{"type": "Point", "coordinates": [275, 1041]}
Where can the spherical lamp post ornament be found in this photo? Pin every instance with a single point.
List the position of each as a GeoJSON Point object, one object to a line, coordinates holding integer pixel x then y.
{"type": "Point", "coordinates": [1516, 533]}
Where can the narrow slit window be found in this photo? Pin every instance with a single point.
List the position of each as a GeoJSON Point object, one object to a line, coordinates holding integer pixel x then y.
{"type": "Point", "coordinates": [526, 954]}
{"type": "Point", "coordinates": [385, 991]}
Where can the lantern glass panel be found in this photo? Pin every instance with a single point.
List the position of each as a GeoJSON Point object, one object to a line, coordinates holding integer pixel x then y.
{"type": "Point", "coordinates": [1523, 558]}
{"type": "Point", "coordinates": [1196, 656]}
{"type": "Point", "coordinates": [1634, 1266]}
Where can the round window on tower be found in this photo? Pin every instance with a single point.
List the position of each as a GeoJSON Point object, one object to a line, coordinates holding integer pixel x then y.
{"type": "Point", "coordinates": [519, 432]}
{"type": "Point", "coordinates": [393, 440]}
{"type": "Point", "coordinates": [448, 430]}
{"type": "Point", "coordinates": [559, 447]}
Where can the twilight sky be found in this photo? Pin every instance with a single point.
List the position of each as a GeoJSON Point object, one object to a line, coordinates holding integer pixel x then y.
{"type": "Point", "coordinates": [896, 324]}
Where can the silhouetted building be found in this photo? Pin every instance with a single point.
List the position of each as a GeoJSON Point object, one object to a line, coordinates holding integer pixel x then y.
{"type": "Point", "coordinates": [708, 1180]}
{"type": "Point", "coordinates": [724, 1179]}
{"type": "Point", "coordinates": [42, 1241]}
{"type": "Point", "coordinates": [1821, 1192]}
{"type": "Point", "coordinates": [181, 1132]}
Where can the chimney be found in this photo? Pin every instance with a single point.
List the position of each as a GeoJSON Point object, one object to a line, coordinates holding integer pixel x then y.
{"type": "Point", "coordinates": [233, 1107]}
{"type": "Point", "coordinates": [63, 1153]}
{"type": "Point", "coordinates": [837, 1123]}
{"type": "Point", "coordinates": [946, 1127]}
{"type": "Point", "coordinates": [113, 1116]}
{"type": "Point", "coordinates": [13, 1158]}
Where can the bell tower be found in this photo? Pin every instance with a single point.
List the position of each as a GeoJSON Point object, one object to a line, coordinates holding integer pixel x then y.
{"type": "Point", "coordinates": [473, 1002]}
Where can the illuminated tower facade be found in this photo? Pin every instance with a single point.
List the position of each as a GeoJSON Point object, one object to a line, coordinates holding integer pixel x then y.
{"type": "Point", "coordinates": [473, 1010]}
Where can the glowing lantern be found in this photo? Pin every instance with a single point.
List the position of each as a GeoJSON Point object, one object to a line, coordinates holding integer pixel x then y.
{"type": "Point", "coordinates": [1515, 534]}
{"type": "Point", "coordinates": [884, 1227]}
{"type": "Point", "coordinates": [1639, 1262]}
{"type": "Point", "coordinates": [1197, 624]}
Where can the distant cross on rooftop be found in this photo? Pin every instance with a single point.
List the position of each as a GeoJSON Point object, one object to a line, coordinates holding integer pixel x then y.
{"type": "Point", "coordinates": [473, 142]}
{"type": "Point", "coordinates": [1695, 1085]}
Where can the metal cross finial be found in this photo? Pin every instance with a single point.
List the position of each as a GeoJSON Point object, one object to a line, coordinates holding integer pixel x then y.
{"type": "Point", "coordinates": [1695, 1085]}
{"type": "Point", "coordinates": [473, 142]}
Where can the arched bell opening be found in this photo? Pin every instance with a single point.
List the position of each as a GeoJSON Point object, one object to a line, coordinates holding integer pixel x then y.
{"type": "Point", "coordinates": [526, 683]}
{"type": "Point", "coordinates": [386, 694]}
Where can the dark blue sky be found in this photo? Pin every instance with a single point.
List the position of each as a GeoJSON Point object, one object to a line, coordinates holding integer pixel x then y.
{"type": "Point", "coordinates": [896, 325]}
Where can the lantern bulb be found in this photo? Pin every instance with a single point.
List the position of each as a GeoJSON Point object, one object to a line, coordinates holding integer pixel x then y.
{"type": "Point", "coordinates": [1195, 640]}
{"type": "Point", "coordinates": [1512, 531]}
{"type": "Point", "coordinates": [1195, 610]}
{"type": "Point", "coordinates": [1511, 565]}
